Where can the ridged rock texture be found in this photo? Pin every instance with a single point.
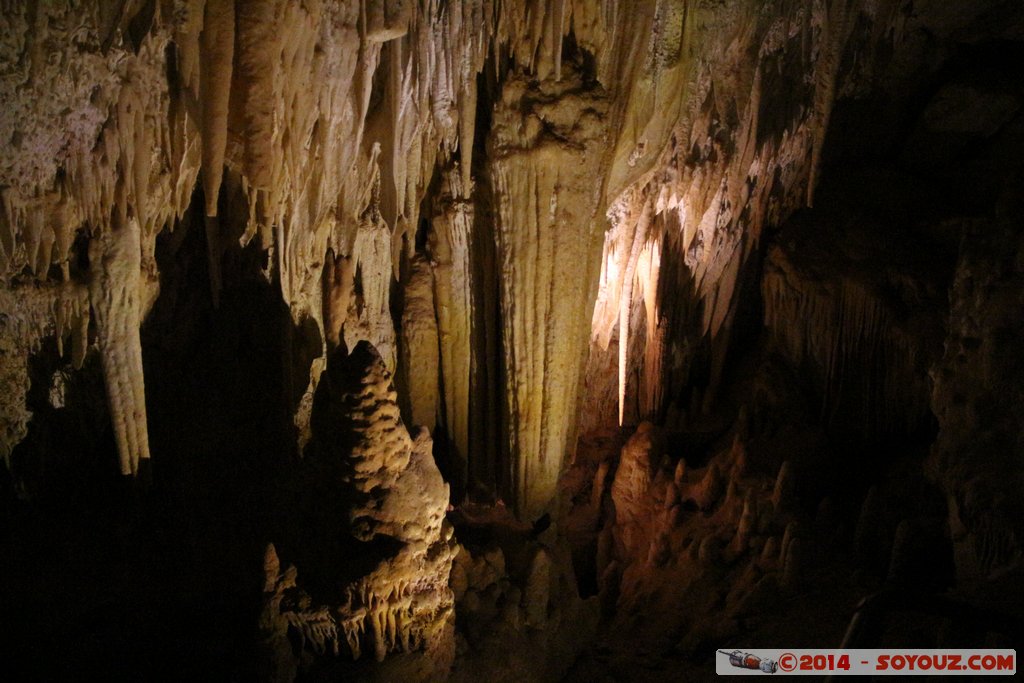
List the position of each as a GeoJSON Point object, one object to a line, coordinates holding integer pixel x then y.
{"type": "Point", "coordinates": [976, 397]}
{"type": "Point", "coordinates": [545, 144]}
{"type": "Point", "coordinates": [645, 127]}
{"type": "Point", "coordinates": [846, 327]}
{"type": "Point", "coordinates": [544, 219]}
{"type": "Point", "coordinates": [381, 552]}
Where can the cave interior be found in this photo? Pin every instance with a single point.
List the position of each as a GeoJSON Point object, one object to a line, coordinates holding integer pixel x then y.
{"type": "Point", "coordinates": [534, 340]}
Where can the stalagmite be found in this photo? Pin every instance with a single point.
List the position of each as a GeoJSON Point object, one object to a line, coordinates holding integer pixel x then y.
{"type": "Point", "coordinates": [709, 551]}
{"type": "Point", "coordinates": [393, 501]}
{"type": "Point", "coordinates": [784, 494]}
{"type": "Point", "coordinates": [679, 474]}
{"type": "Point", "coordinates": [420, 345]}
{"type": "Point", "coordinates": [747, 522]}
{"type": "Point", "coordinates": [793, 564]}
{"type": "Point", "coordinates": [538, 590]}
{"type": "Point", "coordinates": [600, 484]}
{"type": "Point", "coordinates": [630, 488]}
{"type": "Point", "coordinates": [709, 490]}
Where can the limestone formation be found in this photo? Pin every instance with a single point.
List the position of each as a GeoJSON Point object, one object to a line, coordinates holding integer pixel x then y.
{"type": "Point", "coordinates": [333, 118]}
{"type": "Point", "coordinates": [544, 141]}
{"type": "Point", "coordinates": [420, 345]}
{"type": "Point", "coordinates": [520, 616]}
{"type": "Point", "coordinates": [847, 321]}
{"type": "Point", "coordinates": [975, 391]}
{"type": "Point", "coordinates": [391, 502]}
{"type": "Point", "coordinates": [702, 317]}
{"type": "Point", "coordinates": [631, 488]}
{"type": "Point", "coordinates": [456, 297]}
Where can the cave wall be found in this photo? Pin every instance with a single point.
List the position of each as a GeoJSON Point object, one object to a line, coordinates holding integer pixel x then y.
{"type": "Point", "coordinates": [547, 217]}
{"type": "Point", "coordinates": [334, 116]}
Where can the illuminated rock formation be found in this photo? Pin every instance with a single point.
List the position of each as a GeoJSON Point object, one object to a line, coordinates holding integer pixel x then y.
{"type": "Point", "coordinates": [456, 299]}
{"type": "Point", "coordinates": [420, 345]}
{"type": "Point", "coordinates": [335, 115]}
{"type": "Point", "coordinates": [743, 155]}
{"type": "Point", "coordinates": [31, 313]}
{"type": "Point", "coordinates": [544, 144]}
{"type": "Point", "coordinates": [746, 227]}
{"type": "Point", "coordinates": [385, 497]}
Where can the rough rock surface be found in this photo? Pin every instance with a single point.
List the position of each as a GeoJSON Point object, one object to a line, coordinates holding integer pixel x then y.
{"type": "Point", "coordinates": [383, 546]}
{"type": "Point", "coordinates": [976, 397]}
{"type": "Point", "coordinates": [519, 614]}
{"type": "Point", "coordinates": [668, 122]}
{"type": "Point", "coordinates": [859, 314]}
{"type": "Point", "coordinates": [463, 186]}
{"type": "Point", "coordinates": [545, 141]}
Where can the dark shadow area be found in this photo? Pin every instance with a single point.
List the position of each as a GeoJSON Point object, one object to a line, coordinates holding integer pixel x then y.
{"type": "Point", "coordinates": [127, 579]}
{"type": "Point", "coordinates": [490, 465]}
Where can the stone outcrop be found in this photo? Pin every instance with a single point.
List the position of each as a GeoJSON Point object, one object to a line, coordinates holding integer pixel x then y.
{"type": "Point", "coordinates": [383, 546]}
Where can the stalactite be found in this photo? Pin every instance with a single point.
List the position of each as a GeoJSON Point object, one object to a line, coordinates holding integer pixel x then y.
{"type": "Point", "coordinates": [333, 117]}
{"type": "Point", "coordinates": [371, 261]}
{"type": "Point", "coordinates": [673, 131]}
{"type": "Point", "coordinates": [217, 49]}
{"type": "Point", "coordinates": [722, 177]}
{"type": "Point", "coordinates": [115, 295]}
{"type": "Point", "coordinates": [338, 290]}
{"type": "Point", "coordinates": [844, 333]}
{"type": "Point", "coordinates": [258, 42]}
{"type": "Point", "coordinates": [636, 246]}
{"type": "Point", "coordinates": [217, 41]}
{"type": "Point", "coordinates": [547, 242]}
{"type": "Point", "coordinates": [829, 18]}
{"type": "Point", "coordinates": [450, 245]}
{"type": "Point", "coordinates": [31, 313]}
{"type": "Point", "coordinates": [648, 277]}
